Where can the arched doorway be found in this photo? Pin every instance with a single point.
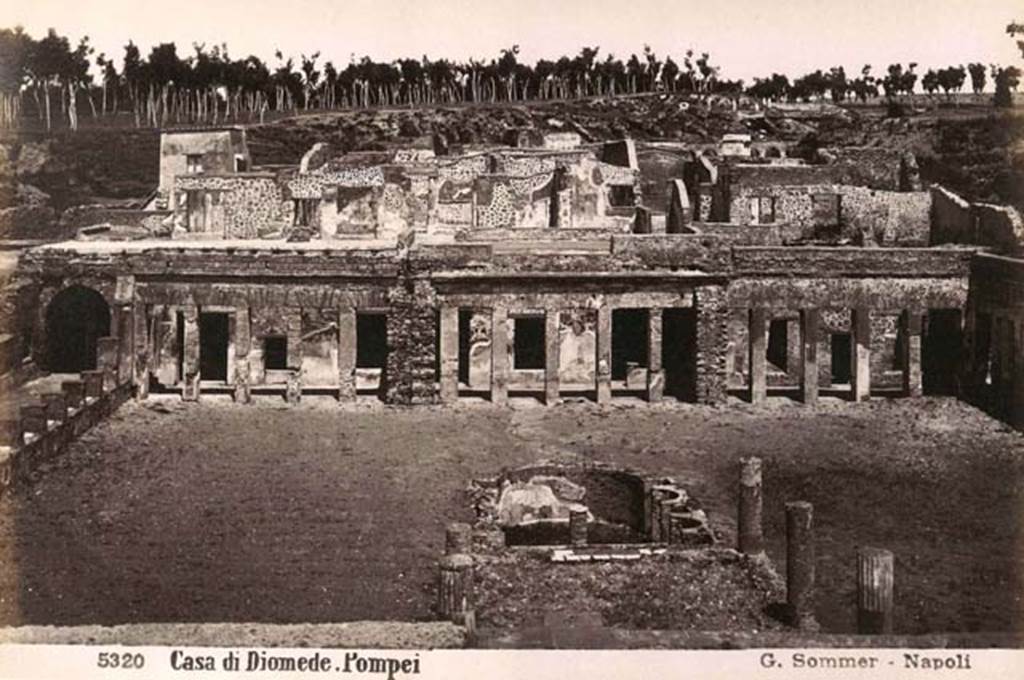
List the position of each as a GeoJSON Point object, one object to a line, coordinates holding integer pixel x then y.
{"type": "Point", "coordinates": [75, 319]}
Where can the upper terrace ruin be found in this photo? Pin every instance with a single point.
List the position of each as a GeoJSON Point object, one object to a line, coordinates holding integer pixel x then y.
{"type": "Point", "coordinates": [550, 267]}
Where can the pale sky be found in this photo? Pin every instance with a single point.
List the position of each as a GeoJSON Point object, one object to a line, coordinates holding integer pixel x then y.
{"type": "Point", "coordinates": [746, 38]}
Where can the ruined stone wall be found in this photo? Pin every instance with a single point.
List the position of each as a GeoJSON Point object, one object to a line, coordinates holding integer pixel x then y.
{"type": "Point", "coordinates": [411, 372]}
{"type": "Point", "coordinates": [954, 220]}
{"type": "Point", "coordinates": [871, 167]}
{"type": "Point", "coordinates": [864, 216]}
{"type": "Point", "coordinates": [992, 374]}
{"type": "Point", "coordinates": [999, 226]}
{"type": "Point", "coordinates": [241, 206]}
{"type": "Point", "coordinates": [513, 202]}
{"type": "Point", "coordinates": [658, 167]}
{"type": "Point", "coordinates": [951, 219]}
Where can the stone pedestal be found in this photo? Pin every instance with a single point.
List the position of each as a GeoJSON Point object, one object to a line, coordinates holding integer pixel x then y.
{"type": "Point", "coordinates": [293, 388]}
{"type": "Point", "coordinates": [243, 394]}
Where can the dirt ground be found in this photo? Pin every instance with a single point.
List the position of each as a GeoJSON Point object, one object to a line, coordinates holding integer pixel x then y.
{"type": "Point", "coordinates": [219, 512]}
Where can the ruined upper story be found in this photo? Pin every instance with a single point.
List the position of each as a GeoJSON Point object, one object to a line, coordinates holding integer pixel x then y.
{"type": "Point", "coordinates": [541, 188]}
{"type": "Point", "coordinates": [201, 151]}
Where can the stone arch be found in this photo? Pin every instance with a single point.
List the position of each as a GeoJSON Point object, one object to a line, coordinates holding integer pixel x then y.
{"type": "Point", "coordinates": [773, 152]}
{"type": "Point", "coordinates": [75, 319]}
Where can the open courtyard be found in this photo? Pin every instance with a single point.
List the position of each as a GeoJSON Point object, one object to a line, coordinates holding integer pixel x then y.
{"type": "Point", "coordinates": [215, 511]}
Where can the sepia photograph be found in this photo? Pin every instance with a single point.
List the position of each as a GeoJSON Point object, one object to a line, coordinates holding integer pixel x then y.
{"type": "Point", "coordinates": [359, 337]}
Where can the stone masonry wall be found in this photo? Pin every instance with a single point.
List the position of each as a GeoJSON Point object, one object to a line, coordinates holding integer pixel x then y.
{"type": "Point", "coordinates": [712, 343]}
{"type": "Point", "coordinates": [410, 374]}
{"type": "Point", "coordinates": [249, 205]}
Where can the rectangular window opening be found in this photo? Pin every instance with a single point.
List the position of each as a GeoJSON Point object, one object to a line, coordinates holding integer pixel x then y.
{"type": "Point", "coordinates": [528, 345]}
{"type": "Point", "coordinates": [842, 365]}
{"type": "Point", "coordinates": [778, 344]}
{"type": "Point", "coordinates": [371, 340]}
{"type": "Point", "coordinates": [629, 341]}
{"type": "Point", "coordinates": [621, 196]}
{"type": "Point", "coordinates": [194, 164]}
{"type": "Point", "coordinates": [275, 353]}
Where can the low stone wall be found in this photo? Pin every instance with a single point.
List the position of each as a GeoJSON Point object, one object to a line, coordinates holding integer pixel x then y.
{"type": "Point", "coordinates": [77, 217]}
{"type": "Point", "coordinates": [44, 430]}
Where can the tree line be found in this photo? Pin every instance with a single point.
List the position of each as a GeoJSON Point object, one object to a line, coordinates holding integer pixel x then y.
{"type": "Point", "coordinates": [51, 79]}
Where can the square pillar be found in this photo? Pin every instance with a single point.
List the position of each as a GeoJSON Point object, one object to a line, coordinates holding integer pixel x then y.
{"type": "Point", "coordinates": [190, 360]}
{"type": "Point", "coordinates": [655, 371]}
{"type": "Point", "coordinates": [912, 353]}
{"type": "Point", "coordinates": [125, 349]}
{"type": "Point", "coordinates": [242, 334]}
{"type": "Point", "coordinates": [709, 365]}
{"type": "Point", "coordinates": [861, 370]}
{"type": "Point", "coordinates": [1017, 394]}
{"type": "Point", "coordinates": [499, 355]}
{"type": "Point", "coordinates": [552, 350]}
{"type": "Point", "coordinates": [603, 373]}
{"type": "Point", "coordinates": [140, 345]}
{"type": "Point", "coordinates": [108, 350]}
{"type": "Point", "coordinates": [449, 359]}
{"type": "Point", "coordinates": [347, 354]}
{"type": "Point", "coordinates": [757, 364]}
{"type": "Point", "coordinates": [810, 325]}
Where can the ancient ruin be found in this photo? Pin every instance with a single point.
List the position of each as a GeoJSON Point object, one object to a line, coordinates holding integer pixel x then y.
{"type": "Point", "coordinates": [550, 267]}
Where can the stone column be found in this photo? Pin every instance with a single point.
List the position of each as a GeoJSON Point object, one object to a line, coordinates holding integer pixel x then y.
{"type": "Point", "coordinates": [912, 353]}
{"type": "Point", "coordinates": [347, 354]}
{"type": "Point", "coordinates": [800, 563]}
{"type": "Point", "coordinates": [455, 591]}
{"type": "Point", "coordinates": [860, 323]}
{"type": "Point", "coordinates": [190, 360]}
{"type": "Point", "coordinates": [449, 359]}
{"type": "Point", "coordinates": [810, 325]}
{"type": "Point", "coordinates": [552, 350]}
{"type": "Point", "coordinates": [655, 371]}
{"type": "Point", "coordinates": [874, 591]}
{"type": "Point", "coordinates": [499, 355]}
{"type": "Point", "coordinates": [750, 531]}
{"type": "Point", "coordinates": [603, 373]}
{"type": "Point", "coordinates": [757, 363]}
